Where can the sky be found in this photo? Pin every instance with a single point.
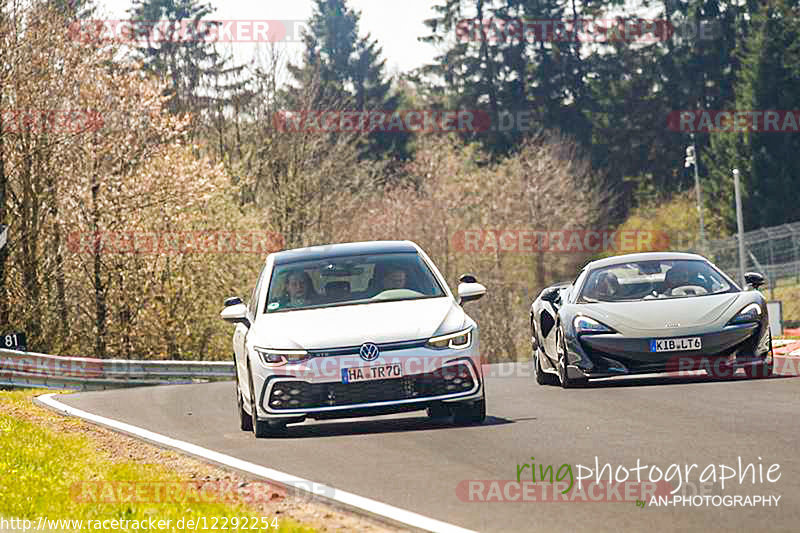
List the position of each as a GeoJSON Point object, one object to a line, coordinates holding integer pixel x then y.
{"type": "Point", "coordinates": [395, 24]}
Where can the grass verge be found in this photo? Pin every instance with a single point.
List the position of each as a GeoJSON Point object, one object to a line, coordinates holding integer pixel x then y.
{"type": "Point", "coordinates": [43, 463]}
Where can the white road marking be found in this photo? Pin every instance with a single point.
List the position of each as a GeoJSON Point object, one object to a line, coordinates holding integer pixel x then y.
{"type": "Point", "coordinates": [325, 492]}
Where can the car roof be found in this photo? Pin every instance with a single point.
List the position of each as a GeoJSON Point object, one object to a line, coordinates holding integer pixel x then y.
{"type": "Point", "coordinates": [643, 256]}
{"type": "Point", "coordinates": [342, 250]}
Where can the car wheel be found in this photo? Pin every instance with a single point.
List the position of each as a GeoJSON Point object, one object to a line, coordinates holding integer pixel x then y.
{"type": "Point", "coordinates": [260, 428]}
{"type": "Point", "coordinates": [245, 422]}
{"type": "Point", "coordinates": [561, 347]}
{"type": "Point", "coordinates": [542, 377]}
{"type": "Point", "coordinates": [469, 414]}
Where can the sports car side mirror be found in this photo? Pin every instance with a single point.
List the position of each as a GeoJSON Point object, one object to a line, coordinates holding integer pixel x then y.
{"type": "Point", "coordinates": [468, 292]}
{"type": "Point", "coordinates": [233, 300]}
{"type": "Point", "coordinates": [754, 279]}
{"type": "Point", "coordinates": [552, 295]}
{"type": "Point", "coordinates": [236, 314]}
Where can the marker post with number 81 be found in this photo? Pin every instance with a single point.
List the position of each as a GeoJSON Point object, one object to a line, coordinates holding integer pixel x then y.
{"type": "Point", "coordinates": [12, 341]}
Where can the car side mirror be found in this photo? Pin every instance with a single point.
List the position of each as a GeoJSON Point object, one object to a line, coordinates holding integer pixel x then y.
{"type": "Point", "coordinates": [467, 278]}
{"type": "Point", "coordinates": [233, 300]}
{"type": "Point", "coordinates": [236, 314]}
{"type": "Point", "coordinates": [754, 279]}
{"type": "Point", "coordinates": [552, 295]}
{"type": "Point", "coordinates": [470, 291]}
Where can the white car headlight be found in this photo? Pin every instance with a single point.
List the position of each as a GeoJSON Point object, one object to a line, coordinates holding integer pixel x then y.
{"type": "Point", "coordinates": [584, 324]}
{"type": "Point", "coordinates": [751, 313]}
{"type": "Point", "coordinates": [457, 341]}
{"type": "Point", "coordinates": [281, 357]}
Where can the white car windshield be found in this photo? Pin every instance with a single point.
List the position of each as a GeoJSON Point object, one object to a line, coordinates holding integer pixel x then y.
{"type": "Point", "coordinates": [351, 280]}
{"type": "Point", "coordinates": [653, 280]}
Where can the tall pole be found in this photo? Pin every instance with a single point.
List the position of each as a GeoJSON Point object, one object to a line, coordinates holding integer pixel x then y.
{"type": "Point", "coordinates": [740, 224]}
{"type": "Point", "coordinates": [699, 196]}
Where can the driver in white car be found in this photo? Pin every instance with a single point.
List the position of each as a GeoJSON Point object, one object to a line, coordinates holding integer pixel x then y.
{"type": "Point", "coordinates": [394, 278]}
{"type": "Point", "coordinates": [299, 290]}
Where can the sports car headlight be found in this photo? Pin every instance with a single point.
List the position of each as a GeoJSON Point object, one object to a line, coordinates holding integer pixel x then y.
{"type": "Point", "coordinates": [751, 313]}
{"type": "Point", "coordinates": [457, 341]}
{"type": "Point", "coordinates": [584, 324]}
{"type": "Point", "coordinates": [281, 357]}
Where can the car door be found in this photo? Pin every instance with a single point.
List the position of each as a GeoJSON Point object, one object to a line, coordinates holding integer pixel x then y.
{"type": "Point", "coordinates": [241, 331]}
{"type": "Point", "coordinates": [549, 316]}
{"type": "Point", "coordinates": [547, 322]}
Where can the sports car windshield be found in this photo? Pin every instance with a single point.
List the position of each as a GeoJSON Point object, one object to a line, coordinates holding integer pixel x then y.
{"type": "Point", "coordinates": [654, 280]}
{"type": "Point", "coordinates": [351, 280]}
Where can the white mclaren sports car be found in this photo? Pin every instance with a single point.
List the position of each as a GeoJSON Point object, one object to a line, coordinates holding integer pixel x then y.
{"type": "Point", "coordinates": [355, 329]}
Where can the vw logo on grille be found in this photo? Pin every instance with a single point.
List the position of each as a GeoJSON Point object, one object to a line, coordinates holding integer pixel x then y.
{"type": "Point", "coordinates": [369, 351]}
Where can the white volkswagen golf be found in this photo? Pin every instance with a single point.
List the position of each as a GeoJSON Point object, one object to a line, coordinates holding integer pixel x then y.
{"type": "Point", "coordinates": [355, 329]}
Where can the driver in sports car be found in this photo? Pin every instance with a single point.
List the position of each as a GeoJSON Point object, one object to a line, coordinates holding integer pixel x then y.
{"type": "Point", "coordinates": [681, 276]}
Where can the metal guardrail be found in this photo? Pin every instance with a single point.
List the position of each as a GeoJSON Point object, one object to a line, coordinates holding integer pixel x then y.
{"type": "Point", "coordinates": [30, 369]}
{"type": "Point", "coordinates": [777, 248]}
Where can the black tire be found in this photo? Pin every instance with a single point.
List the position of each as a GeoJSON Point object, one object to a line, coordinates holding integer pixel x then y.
{"type": "Point", "coordinates": [245, 422]}
{"type": "Point", "coordinates": [542, 377]}
{"type": "Point", "coordinates": [470, 414]}
{"type": "Point", "coordinates": [261, 428]}
{"type": "Point", "coordinates": [563, 378]}
{"type": "Point", "coordinates": [763, 370]}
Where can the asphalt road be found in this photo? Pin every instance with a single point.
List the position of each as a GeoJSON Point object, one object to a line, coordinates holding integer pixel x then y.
{"type": "Point", "coordinates": [416, 464]}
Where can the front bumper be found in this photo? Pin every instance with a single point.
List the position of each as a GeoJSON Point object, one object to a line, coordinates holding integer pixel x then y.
{"type": "Point", "coordinates": [609, 355]}
{"type": "Point", "coordinates": [426, 381]}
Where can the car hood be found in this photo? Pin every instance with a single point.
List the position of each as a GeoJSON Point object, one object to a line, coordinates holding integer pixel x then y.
{"type": "Point", "coordinates": [352, 325]}
{"type": "Point", "coordinates": [684, 315]}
